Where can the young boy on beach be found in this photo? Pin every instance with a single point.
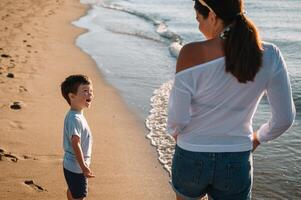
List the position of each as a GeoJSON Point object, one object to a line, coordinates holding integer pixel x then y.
{"type": "Point", "coordinates": [77, 141]}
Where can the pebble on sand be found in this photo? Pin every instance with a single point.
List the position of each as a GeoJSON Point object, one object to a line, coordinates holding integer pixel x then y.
{"type": "Point", "coordinates": [10, 75]}
{"type": "Point", "coordinates": [16, 105]}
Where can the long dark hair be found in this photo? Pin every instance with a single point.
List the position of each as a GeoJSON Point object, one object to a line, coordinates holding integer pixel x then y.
{"type": "Point", "coordinates": [242, 44]}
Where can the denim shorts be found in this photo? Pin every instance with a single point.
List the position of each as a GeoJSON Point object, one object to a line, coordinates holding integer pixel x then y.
{"type": "Point", "coordinates": [77, 184]}
{"type": "Point", "coordinates": [222, 176]}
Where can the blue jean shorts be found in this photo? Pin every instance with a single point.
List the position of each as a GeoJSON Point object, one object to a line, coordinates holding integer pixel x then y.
{"type": "Point", "coordinates": [222, 176]}
{"type": "Point", "coordinates": [77, 184]}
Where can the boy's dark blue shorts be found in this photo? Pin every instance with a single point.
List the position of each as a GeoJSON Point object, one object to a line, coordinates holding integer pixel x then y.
{"type": "Point", "coordinates": [77, 184]}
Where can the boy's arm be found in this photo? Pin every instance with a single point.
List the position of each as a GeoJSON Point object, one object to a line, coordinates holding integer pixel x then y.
{"type": "Point", "coordinates": [75, 140]}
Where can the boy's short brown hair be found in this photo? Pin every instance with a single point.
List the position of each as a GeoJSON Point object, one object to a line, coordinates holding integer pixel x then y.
{"type": "Point", "coordinates": [71, 84]}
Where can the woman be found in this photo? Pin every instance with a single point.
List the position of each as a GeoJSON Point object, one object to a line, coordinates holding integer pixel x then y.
{"type": "Point", "coordinates": [218, 85]}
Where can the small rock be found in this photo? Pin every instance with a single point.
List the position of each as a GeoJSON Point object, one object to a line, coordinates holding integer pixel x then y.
{"type": "Point", "coordinates": [16, 106]}
{"type": "Point", "coordinates": [5, 56]}
{"type": "Point", "coordinates": [10, 75]}
{"type": "Point", "coordinates": [28, 182]}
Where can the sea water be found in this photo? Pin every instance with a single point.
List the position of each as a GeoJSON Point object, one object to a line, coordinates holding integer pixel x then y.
{"type": "Point", "coordinates": [135, 44]}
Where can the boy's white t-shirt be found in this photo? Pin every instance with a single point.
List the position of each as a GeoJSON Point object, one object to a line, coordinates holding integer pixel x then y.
{"type": "Point", "coordinates": [75, 124]}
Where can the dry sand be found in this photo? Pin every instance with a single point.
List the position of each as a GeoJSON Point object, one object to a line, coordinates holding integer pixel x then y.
{"type": "Point", "coordinates": [37, 52]}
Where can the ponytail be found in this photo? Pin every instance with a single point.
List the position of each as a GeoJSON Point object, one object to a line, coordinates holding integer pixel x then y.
{"type": "Point", "coordinates": [242, 44]}
{"type": "Point", "coordinates": [243, 49]}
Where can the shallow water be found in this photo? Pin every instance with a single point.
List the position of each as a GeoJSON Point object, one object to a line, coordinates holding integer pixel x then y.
{"type": "Point", "coordinates": [135, 44]}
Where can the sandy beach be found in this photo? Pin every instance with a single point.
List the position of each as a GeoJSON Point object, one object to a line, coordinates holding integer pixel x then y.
{"type": "Point", "coordinates": [37, 52]}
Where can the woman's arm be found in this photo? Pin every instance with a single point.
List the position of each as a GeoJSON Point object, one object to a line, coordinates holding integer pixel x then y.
{"type": "Point", "coordinates": [280, 98]}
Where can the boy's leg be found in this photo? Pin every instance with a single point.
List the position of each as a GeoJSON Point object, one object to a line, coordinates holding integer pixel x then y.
{"type": "Point", "coordinates": [178, 197]}
{"type": "Point", "coordinates": [77, 185]}
{"type": "Point", "coordinates": [69, 196]}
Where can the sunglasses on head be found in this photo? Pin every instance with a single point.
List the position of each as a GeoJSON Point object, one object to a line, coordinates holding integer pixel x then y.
{"type": "Point", "coordinates": [206, 5]}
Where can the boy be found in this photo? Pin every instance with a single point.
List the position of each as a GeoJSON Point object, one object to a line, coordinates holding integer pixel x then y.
{"type": "Point", "coordinates": [78, 92]}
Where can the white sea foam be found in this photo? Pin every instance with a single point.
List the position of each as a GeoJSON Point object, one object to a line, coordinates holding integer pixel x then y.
{"type": "Point", "coordinates": [156, 123]}
{"type": "Point", "coordinates": [160, 26]}
{"type": "Point", "coordinates": [92, 2]}
{"type": "Point", "coordinates": [174, 49]}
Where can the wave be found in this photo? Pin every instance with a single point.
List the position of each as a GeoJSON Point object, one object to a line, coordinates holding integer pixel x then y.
{"type": "Point", "coordinates": [156, 123]}
{"type": "Point", "coordinates": [296, 82]}
{"type": "Point", "coordinates": [175, 40]}
{"type": "Point", "coordinates": [91, 2]}
{"type": "Point", "coordinates": [136, 34]}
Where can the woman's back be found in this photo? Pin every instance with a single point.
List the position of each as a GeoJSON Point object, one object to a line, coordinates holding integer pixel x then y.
{"type": "Point", "coordinates": [217, 88]}
{"type": "Point", "coordinates": [219, 117]}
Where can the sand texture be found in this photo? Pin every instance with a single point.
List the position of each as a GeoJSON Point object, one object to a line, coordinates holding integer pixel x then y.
{"type": "Point", "coordinates": [37, 52]}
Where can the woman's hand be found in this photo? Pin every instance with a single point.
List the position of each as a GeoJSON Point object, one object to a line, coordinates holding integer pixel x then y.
{"type": "Point", "coordinates": [255, 141]}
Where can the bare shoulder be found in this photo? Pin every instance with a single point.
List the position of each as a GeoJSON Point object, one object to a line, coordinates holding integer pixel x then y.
{"type": "Point", "coordinates": [196, 53]}
{"type": "Point", "coordinates": [187, 55]}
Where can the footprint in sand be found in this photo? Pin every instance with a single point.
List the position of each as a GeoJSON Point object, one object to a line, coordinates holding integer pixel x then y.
{"type": "Point", "coordinates": [7, 155]}
{"type": "Point", "coordinates": [36, 187]}
{"type": "Point", "coordinates": [16, 105]}
{"type": "Point", "coordinates": [11, 65]}
{"type": "Point", "coordinates": [26, 157]}
{"type": "Point", "coordinates": [18, 25]}
{"type": "Point", "coordinates": [22, 88]}
{"type": "Point", "coordinates": [4, 155]}
{"type": "Point", "coordinates": [5, 55]}
{"type": "Point", "coordinates": [10, 75]}
{"type": "Point", "coordinates": [16, 124]}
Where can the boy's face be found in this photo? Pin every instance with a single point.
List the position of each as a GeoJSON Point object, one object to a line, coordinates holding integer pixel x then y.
{"type": "Point", "coordinates": [83, 98]}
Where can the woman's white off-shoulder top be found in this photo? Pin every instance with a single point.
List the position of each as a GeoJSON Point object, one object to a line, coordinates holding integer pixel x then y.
{"type": "Point", "coordinates": [211, 111]}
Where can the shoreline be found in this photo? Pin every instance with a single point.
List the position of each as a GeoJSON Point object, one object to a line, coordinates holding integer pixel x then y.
{"type": "Point", "coordinates": [41, 42]}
